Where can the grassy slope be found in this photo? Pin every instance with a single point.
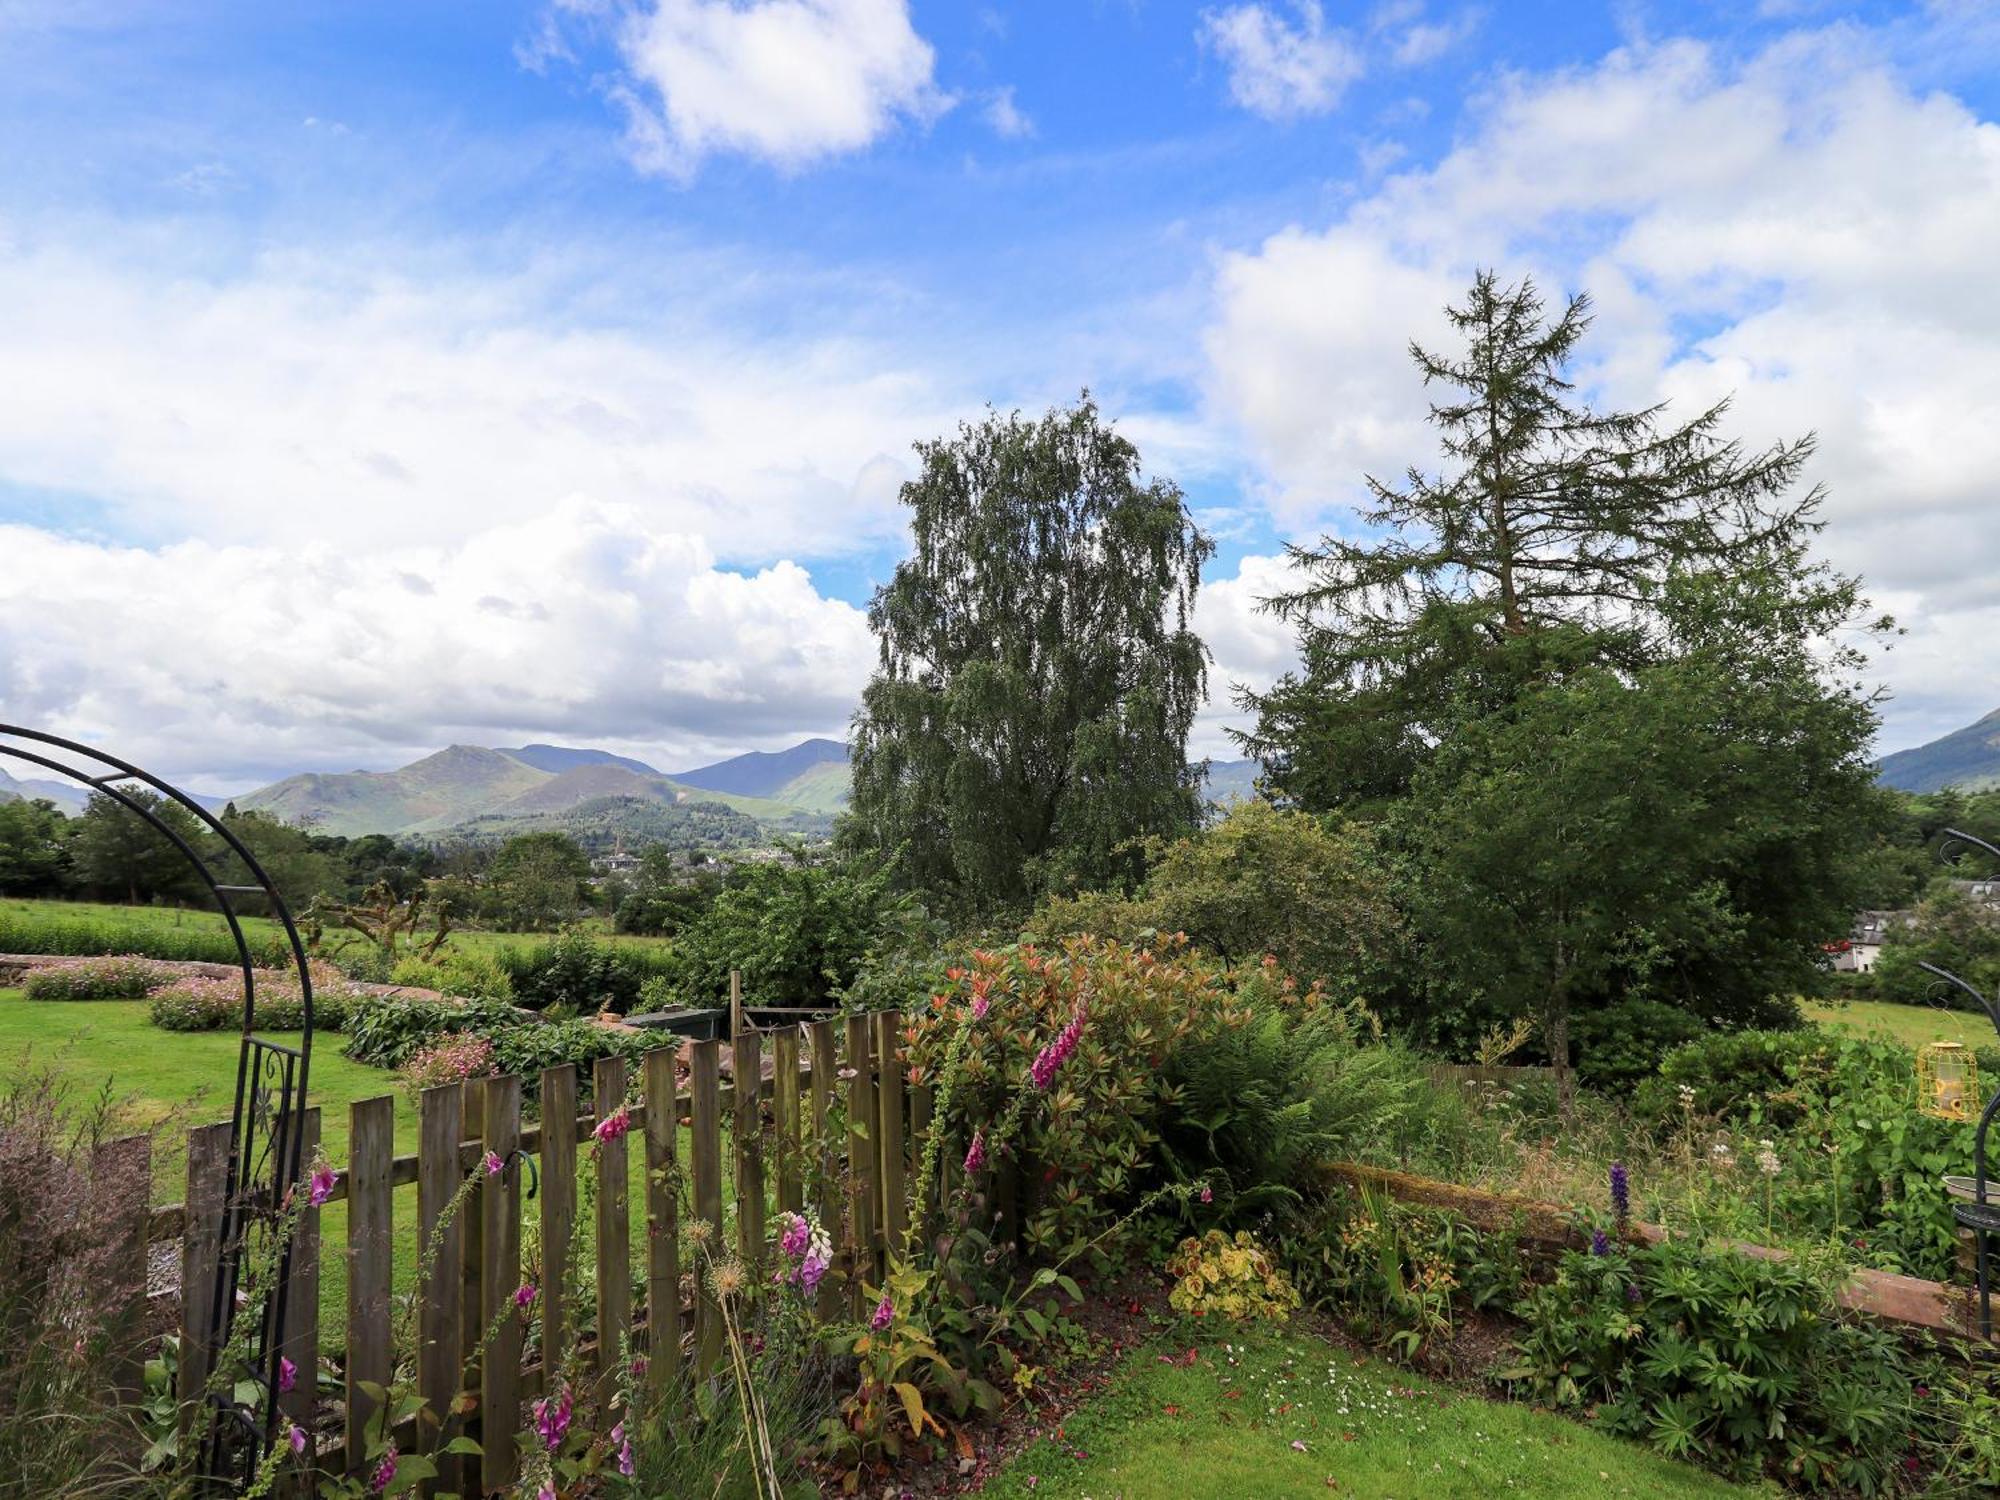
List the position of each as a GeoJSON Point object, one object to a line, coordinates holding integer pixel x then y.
{"type": "Point", "coordinates": [823, 789]}
{"type": "Point", "coordinates": [177, 1080]}
{"type": "Point", "coordinates": [1290, 1415]}
{"type": "Point", "coordinates": [1912, 1025]}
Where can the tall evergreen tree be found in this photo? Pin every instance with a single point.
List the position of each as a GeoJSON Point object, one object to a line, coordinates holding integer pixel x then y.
{"type": "Point", "coordinates": [1546, 543]}
{"type": "Point", "coordinates": [1029, 719]}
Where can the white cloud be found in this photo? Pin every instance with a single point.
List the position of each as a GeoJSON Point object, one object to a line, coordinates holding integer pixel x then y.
{"type": "Point", "coordinates": [585, 624]}
{"type": "Point", "coordinates": [1281, 67]}
{"type": "Point", "coordinates": [1248, 647]}
{"type": "Point", "coordinates": [390, 392]}
{"type": "Point", "coordinates": [1007, 118]}
{"type": "Point", "coordinates": [788, 81]}
{"type": "Point", "coordinates": [1803, 230]}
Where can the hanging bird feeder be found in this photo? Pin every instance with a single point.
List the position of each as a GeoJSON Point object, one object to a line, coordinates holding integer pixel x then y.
{"type": "Point", "coordinates": [1947, 1080]}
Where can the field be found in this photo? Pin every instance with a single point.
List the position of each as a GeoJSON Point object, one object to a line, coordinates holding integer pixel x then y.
{"type": "Point", "coordinates": [1911, 1025]}
{"type": "Point", "coordinates": [170, 1081]}
{"type": "Point", "coordinates": [178, 932]}
{"type": "Point", "coordinates": [1276, 1415]}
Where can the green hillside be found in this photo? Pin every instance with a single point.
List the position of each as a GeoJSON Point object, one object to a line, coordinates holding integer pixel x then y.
{"type": "Point", "coordinates": [431, 793]}
{"type": "Point", "coordinates": [822, 789]}
{"type": "Point", "coordinates": [1967, 758]}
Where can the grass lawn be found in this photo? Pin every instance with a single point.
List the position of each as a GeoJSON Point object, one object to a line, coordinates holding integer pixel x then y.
{"type": "Point", "coordinates": [1278, 1414]}
{"type": "Point", "coordinates": [1912, 1025]}
{"type": "Point", "coordinates": [172, 1081]}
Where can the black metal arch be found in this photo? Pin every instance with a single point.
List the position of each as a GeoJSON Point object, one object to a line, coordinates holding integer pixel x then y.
{"type": "Point", "coordinates": [267, 1125]}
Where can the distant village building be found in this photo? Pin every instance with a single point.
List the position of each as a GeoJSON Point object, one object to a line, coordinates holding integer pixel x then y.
{"type": "Point", "coordinates": [1863, 945]}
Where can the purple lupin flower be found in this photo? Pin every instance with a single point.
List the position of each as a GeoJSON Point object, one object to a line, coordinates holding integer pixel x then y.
{"type": "Point", "coordinates": [1599, 1244]}
{"type": "Point", "coordinates": [1621, 1193]}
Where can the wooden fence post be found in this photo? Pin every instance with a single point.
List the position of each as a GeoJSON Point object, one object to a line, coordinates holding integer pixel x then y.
{"type": "Point", "coordinates": [440, 1116]}
{"type": "Point", "coordinates": [558, 1211]}
{"type": "Point", "coordinates": [201, 1248]}
{"type": "Point", "coordinates": [705, 1146]}
{"type": "Point", "coordinates": [472, 1125]}
{"type": "Point", "coordinates": [785, 1115]}
{"type": "Point", "coordinates": [371, 1154]}
{"type": "Point", "coordinates": [826, 1152]}
{"type": "Point", "coordinates": [892, 1151]}
{"type": "Point", "coordinates": [747, 1059]}
{"type": "Point", "coordinates": [299, 1341]}
{"type": "Point", "coordinates": [614, 1231]}
{"type": "Point", "coordinates": [663, 1225]}
{"type": "Point", "coordinates": [861, 1124]}
{"type": "Point", "coordinates": [500, 1274]}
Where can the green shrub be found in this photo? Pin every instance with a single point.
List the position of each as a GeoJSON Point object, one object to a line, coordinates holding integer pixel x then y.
{"type": "Point", "coordinates": [577, 973]}
{"type": "Point", "coordinates": [476, 976]}
{"type": "Point", "coordinates": [1718, 1358]}
{"type": "Point", "coordinates": [1617, 1047]}
{"type": "Point", "coordinates": [1270, 1086]}
{"type": "Point", "coordinates": [197, 1004]}
{"type": "Point", "coordinates": [526, 1049]}
{"type": "Point", "coordinates": [1734, 1075]}
{"type": "Point", "coordinates": [125, 977]}
{"type": "Point", "coordinates": [386, 1031]}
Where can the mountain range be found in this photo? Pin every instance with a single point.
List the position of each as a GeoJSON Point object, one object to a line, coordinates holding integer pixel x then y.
{"type": "Point", "coordinates": [1967, 758]}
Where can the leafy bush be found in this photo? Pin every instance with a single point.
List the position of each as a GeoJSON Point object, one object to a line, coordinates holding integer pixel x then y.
{"type": "Point", "coordinates": [1719, 1358]}
{"type": "Point", "coordinates": [63, 1206]}
{"type": "Point", "coordinates": [528, 1048]}
{"type": "Point", "coordinates": [386, 1031]}
{"type": "Point", "coordinates": [1732, 1074]}
{"type": "Point", "coordinates": [197, 1004]}
{"type": "Point", "coordinates": [478, 976]}
{"type": "Point", "coordinates": [1271, 1084]}
{"type": "Point", "coordinates": [450, 1061]}
{"type": "Point", "coordinates": [1235, 1278]}
{"type": "Point", "coordinates": [125, 977]}
{"type": "Point", "coordinates": [577, 973]}
{"type": "Point", "coordinates": [1620, 1045]}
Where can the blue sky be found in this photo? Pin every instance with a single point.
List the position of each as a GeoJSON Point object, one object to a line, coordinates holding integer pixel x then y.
{"type": "Point", "coordinates": [395, 374]}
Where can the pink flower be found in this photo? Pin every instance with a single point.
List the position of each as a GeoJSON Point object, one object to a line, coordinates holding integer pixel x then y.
{"type": "Point", "coordinates": [613, 1125]}
{"type": "Point", "coordinates": [524, 1295]}
{"type": "Point", "coordinates": [1056, 1053]}
{"type": "Point", "coordinates": [812, 1269]}
{"type": "Point", "coordinates": [975, 1154]}
{"type": "Point", "coordinates": [624, 1447]}
{"type": "Point", "coordinates": [288, 1374]}
{"type": "Point", "coordinates": [980, 1005]}
{"type": "Point", "coordinates": [552, 1420]}
{"type": "Point", "coordinates": [797, 1235]}
{"type": "Point", "coordinates": [320, 1185]}
{"type": "Point", "coordinates": [546, 1492]}
{"type": "Point", "coordinates": [1207, 1193]}
{"type": "Point", "coordinates": [385, 1471]}
{"type": "Point", "coordinates": [493, 1164]}
{"type": "Point", "coordinates": [885, 1313]}
{"type": "Point", "coordinates": [298, 1438]}
{"type": "Point", "coordinates": [639, 1366]}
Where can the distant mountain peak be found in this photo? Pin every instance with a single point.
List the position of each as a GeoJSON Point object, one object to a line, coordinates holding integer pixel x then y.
{"type": "Point", "coordinates": [559, 758]}
{"type": "Point", "coordinates": [766, 773]}
{"type": "Point", "coordinates": [1967, 758]}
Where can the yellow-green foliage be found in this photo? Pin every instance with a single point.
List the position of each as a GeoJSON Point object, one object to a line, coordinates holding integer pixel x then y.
{"type": "Point", "coordinates": [1233, 1278]}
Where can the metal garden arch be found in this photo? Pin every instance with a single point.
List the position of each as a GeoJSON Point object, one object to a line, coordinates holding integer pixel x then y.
{"type": "Point", "coordinates": [267, 1134]}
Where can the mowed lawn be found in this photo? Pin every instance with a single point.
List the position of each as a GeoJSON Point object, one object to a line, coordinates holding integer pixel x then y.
{"type": "Point", "coordinates": [1912, 1025]}
{"type": "Point", "coordinates": [169, 1082]}
{"type": "Point", "coordinates": [1273, 1415]}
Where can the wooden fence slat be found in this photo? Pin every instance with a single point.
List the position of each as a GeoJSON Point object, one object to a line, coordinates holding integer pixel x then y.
{"type": "Point", "coordinates": [300, 1339]}
{"type": "Point", "coordinates": [472, 1127]}
{"type": "Point", "coordinates": [121, 1174]}
{"type": "Point", "coordinates": [201, 1248]}
{"type": "Point", "coordinates": [892, 1151]}
{"type": "Point", "coordinates": [747, 1058]}
{"type": "Point", "coordinates": [500, 1274]}
{"type": "Point", "coordinates": [558, 1211]}
{"type": "Point", "coordinates": [861, 1124]}
{"type": "Point", "coordinates": [371, 1147]}
{"type": "Point", "coordinates": [663, 1224]}
{"type": "Point", "coordinates": [705, 1147]}
{"type": "Point", "coordinates": [785, 1115]}
{"type": "Point", "coordinates": [825, 1150]}
{"type": "Point", "coordinates": [440, 1113]}
{"type": "Point", "coordinates": [614, 1230]}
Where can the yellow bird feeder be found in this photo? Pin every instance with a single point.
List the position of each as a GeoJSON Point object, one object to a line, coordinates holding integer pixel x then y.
{"type": "Point", "coordinates": [1947, 1080]}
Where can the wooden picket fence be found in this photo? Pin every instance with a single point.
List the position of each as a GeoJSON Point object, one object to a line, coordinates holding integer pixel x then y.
{"type": "Point", "coordinates": [784, 1140]}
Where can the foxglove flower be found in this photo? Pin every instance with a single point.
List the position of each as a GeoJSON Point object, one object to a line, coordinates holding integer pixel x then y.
{"type": "Point", "coordinates": [552, 1420]}
{"type": "Point", "coordinates": [624, 1446]}
{"type": "Point", "coordinates": [524, 1295]}
{"type": "Point", "coordinates": [385, 1471]}
{"type": "Point", "coordinates": [320, 1185]}
{"type": "Point", "coordinates": [975, 1154]}
{"type": "Point", "coordinates": [613, 1125]}
{"type": "Point", "coordinates": [1043, 1069]}
{"type": "Point", "coordinates": [288, 1374]}
{"type": "Point", "coordinates": [493, 1164]}
{"type": "Point", "coordinates": [885, 1313]}
{"type": "Point", "coordinates": [298, 1438]}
